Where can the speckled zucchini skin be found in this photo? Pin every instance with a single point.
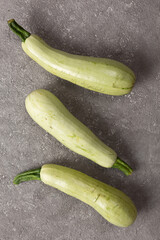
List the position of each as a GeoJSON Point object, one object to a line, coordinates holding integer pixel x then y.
{"type": "Point", "coordinates": [111, 203]}
{"type": "Point", "coordinates": [97, 74]}
{"type": "Point", "coordinates": [48, 111]}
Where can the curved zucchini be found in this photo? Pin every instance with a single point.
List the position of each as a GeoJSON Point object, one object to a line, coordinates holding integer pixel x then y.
{"type": "Point", "coordinates": [98, 74]}
{"type": "Point", "coordinates": [47, 110]}
{"type": "Point", "coordinates": [110, 202]}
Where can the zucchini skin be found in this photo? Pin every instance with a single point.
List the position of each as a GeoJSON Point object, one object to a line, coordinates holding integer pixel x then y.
{"type": "Point", "coordinates": [98, 74]}
{"type": "Point", "coordinates": [111, 203]}
{"type": "Point", "coordinates": [49, 112]}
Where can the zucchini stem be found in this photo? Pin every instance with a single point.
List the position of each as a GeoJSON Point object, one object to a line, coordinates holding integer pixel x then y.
{"type": "Point", "coordinates": [17, 29]}
{"type": "Point", "coordinates": [27, 176]}
{"type": "Point", "coordinates": [124, 167]}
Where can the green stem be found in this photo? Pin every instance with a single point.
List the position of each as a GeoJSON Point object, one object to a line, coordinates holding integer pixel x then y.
{"type": "Point", "coordinates": [124, 167]}
{"type": "Point", "coordinates": [27, 176]}
{"type": "Point", "coordinates": [17, 29]}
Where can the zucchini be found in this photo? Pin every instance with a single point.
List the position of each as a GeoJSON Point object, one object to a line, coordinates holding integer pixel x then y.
{"type": "Point", "coordinates": [98, 74]}
{"type": "Point", "coordinates": [108, 201]}
{"type": "Point", "coordinates": [47, 110]}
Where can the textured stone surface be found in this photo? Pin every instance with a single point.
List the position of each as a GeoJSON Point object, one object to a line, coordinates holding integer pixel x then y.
{"type": "Point", "coordinates": [123, 30]}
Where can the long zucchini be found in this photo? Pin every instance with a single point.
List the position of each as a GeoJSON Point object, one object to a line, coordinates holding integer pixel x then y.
{"type": "Point", "coordinates": [47, 110]}
{"type": "Point", "coordinates": [108, 201]}
{"type": "Point", "coordinates": [98, 74]}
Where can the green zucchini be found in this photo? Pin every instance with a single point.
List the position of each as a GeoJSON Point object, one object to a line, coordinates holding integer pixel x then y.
{"type": "Point", "coordinates": [47, 110]}
{"type": "Point", "coordinates": [108, 201]}
{"type": "Point", "coordinates": [98, 74]}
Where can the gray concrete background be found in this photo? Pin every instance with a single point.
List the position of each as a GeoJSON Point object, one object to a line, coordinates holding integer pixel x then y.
{"type": "Point", "coordinates": [123, 30]}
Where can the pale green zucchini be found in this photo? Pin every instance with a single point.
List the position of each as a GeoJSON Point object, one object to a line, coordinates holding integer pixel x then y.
{"type": "Point", "coordinates": [47, 110]}
{"type": "Point", "coordinates": [97, 74]}
{"type": "Point", "coordinates": [108, 201]}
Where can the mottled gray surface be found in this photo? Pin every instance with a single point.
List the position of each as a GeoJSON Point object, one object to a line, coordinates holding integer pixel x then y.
{"type": "Point", "coordinates": [123, 30]}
